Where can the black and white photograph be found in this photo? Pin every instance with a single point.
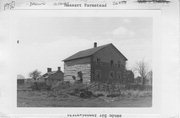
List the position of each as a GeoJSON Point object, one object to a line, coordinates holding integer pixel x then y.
{"type": "Point", "coordinates": [84, 61]}
{"type": "Point", "coordinates": [86, 58]}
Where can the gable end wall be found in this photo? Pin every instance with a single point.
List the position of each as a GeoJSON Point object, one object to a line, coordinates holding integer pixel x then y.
{"type": "Point", "coordinates": [71, 68]}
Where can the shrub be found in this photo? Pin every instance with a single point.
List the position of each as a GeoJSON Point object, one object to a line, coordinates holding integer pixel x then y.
{"type": "Point", "coordinates": [40, 86]}
{"type": "Point", "coordinates": [106, 87]}
{"type": "Point", "coordinates": [61, 85]}
{"type": "Point", "coordinates": [86, 94]}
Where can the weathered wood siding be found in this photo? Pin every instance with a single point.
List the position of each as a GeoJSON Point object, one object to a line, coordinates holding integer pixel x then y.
{"type": "Point", "coordinates": [71, 68]}
{"type": "Point", "coordinates": [70, 71]}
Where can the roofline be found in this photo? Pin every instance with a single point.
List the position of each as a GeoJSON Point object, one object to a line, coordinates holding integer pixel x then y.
{"type": "Point", "coordinates": [77, 58]}
{"type": "Point", "coordinates": [103, 48]}
{"type": "Point", "coordinates": [115, 48]}
{"type": "Point", "coordinates": [95, 53]}
{"type": "Point", "coordinates": [119, 52]}
{"type": "Point", "coordinates": [88, 55]}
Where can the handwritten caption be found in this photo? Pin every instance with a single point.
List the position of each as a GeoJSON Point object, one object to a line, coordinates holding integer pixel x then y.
{"type": "Point", "coordinates": [119, 2]}
{"type": "Point", "coordinates": [36, 3]}
{"type": "Point", "coordinates": [94, 115]}
{"type": "Point", "coordinates": [153, 1]}
{"type": "Point", "coordinates": [10, 5]}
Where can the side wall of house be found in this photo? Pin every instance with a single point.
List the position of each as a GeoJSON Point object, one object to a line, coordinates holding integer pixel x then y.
{"type": "Point", "coordinates": [104, 72]}
{"type": "Point", "coordinates": [71, 69]}
{"type": "Point", "coordinates": [103, 69]}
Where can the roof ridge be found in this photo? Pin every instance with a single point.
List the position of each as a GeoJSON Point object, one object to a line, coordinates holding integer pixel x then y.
{"type": "Point", "coordinates": [86, 52]}
{"type": "Point", "coordinates": [95, 47]}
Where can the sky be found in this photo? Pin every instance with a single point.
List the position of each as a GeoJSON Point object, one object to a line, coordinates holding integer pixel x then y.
{"type": "Point", "coordinates": [46, 41]}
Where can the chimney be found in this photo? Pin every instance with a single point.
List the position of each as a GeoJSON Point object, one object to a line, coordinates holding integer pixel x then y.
{"type": "Point", "coordinates": [59, 68]}
{"type": "Point", "coordinates": [95, 44]}
{"type": "Point", "coordinates": [49, 69]}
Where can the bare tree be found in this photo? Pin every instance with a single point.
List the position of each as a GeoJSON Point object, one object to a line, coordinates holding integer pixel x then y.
{"type": "Point", "coordinates": [150, 76]}
{"type": "Point", "coordinates": [142, 68]}
{"type": "Point", "coordinates": [35, 74]}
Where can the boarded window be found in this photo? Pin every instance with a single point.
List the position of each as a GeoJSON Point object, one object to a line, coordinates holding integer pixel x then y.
{"type": "Point", "coordinates": [98, 74]}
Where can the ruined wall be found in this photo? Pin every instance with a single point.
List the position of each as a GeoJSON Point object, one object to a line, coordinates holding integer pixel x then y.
{"type": "Point", "coordinates": [71, 68]}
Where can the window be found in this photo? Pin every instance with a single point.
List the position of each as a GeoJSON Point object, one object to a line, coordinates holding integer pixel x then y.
{"type": "Point", "coordinates": [111, 74]}
{"type": "Point", "coordinates": [98, 60]}
{"type": "Point", "coordinates": [118, 75]}
{"type": "Point", "coordinates": [97, 74]}
{"type": "Point", "coordinates": [74, 78]}
{"type": "Point", "coordinates": [119, 64]}
{"type": "Point", "coordinates": [112, 62]}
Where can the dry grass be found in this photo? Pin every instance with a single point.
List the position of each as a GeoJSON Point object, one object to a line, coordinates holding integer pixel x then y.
{"type": "Point", "coordinates": [46, 99]}
{"type": "Point", "coordinates": [60, 97]}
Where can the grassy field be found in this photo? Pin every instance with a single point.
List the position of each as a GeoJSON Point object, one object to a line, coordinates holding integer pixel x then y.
{"type": "Point", "coordinates": [132, 98]}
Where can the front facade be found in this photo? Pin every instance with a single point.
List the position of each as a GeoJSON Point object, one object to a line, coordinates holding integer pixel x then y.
{"type": "Point", "coordinates": [104, 63]}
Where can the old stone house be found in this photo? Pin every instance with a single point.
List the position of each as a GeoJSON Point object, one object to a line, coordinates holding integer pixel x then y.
{"type": "Point", "coordinates": [100, 63]}
{"type": "Point", "coordinates": [52, 77]}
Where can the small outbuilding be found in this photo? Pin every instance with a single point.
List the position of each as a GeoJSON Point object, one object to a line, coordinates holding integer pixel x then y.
{"type": "Point", "coordinates": [52, 77]}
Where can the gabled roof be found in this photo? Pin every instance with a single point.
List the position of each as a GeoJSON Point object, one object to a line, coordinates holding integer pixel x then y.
{"type": "Point", "coordinates": [89, 52]}
{"type": "Point", "coordinates": [50, 74]}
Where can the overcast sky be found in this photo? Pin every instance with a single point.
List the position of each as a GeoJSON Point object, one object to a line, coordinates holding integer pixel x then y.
{"type": "Point", "coordinates": [45, 42]}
